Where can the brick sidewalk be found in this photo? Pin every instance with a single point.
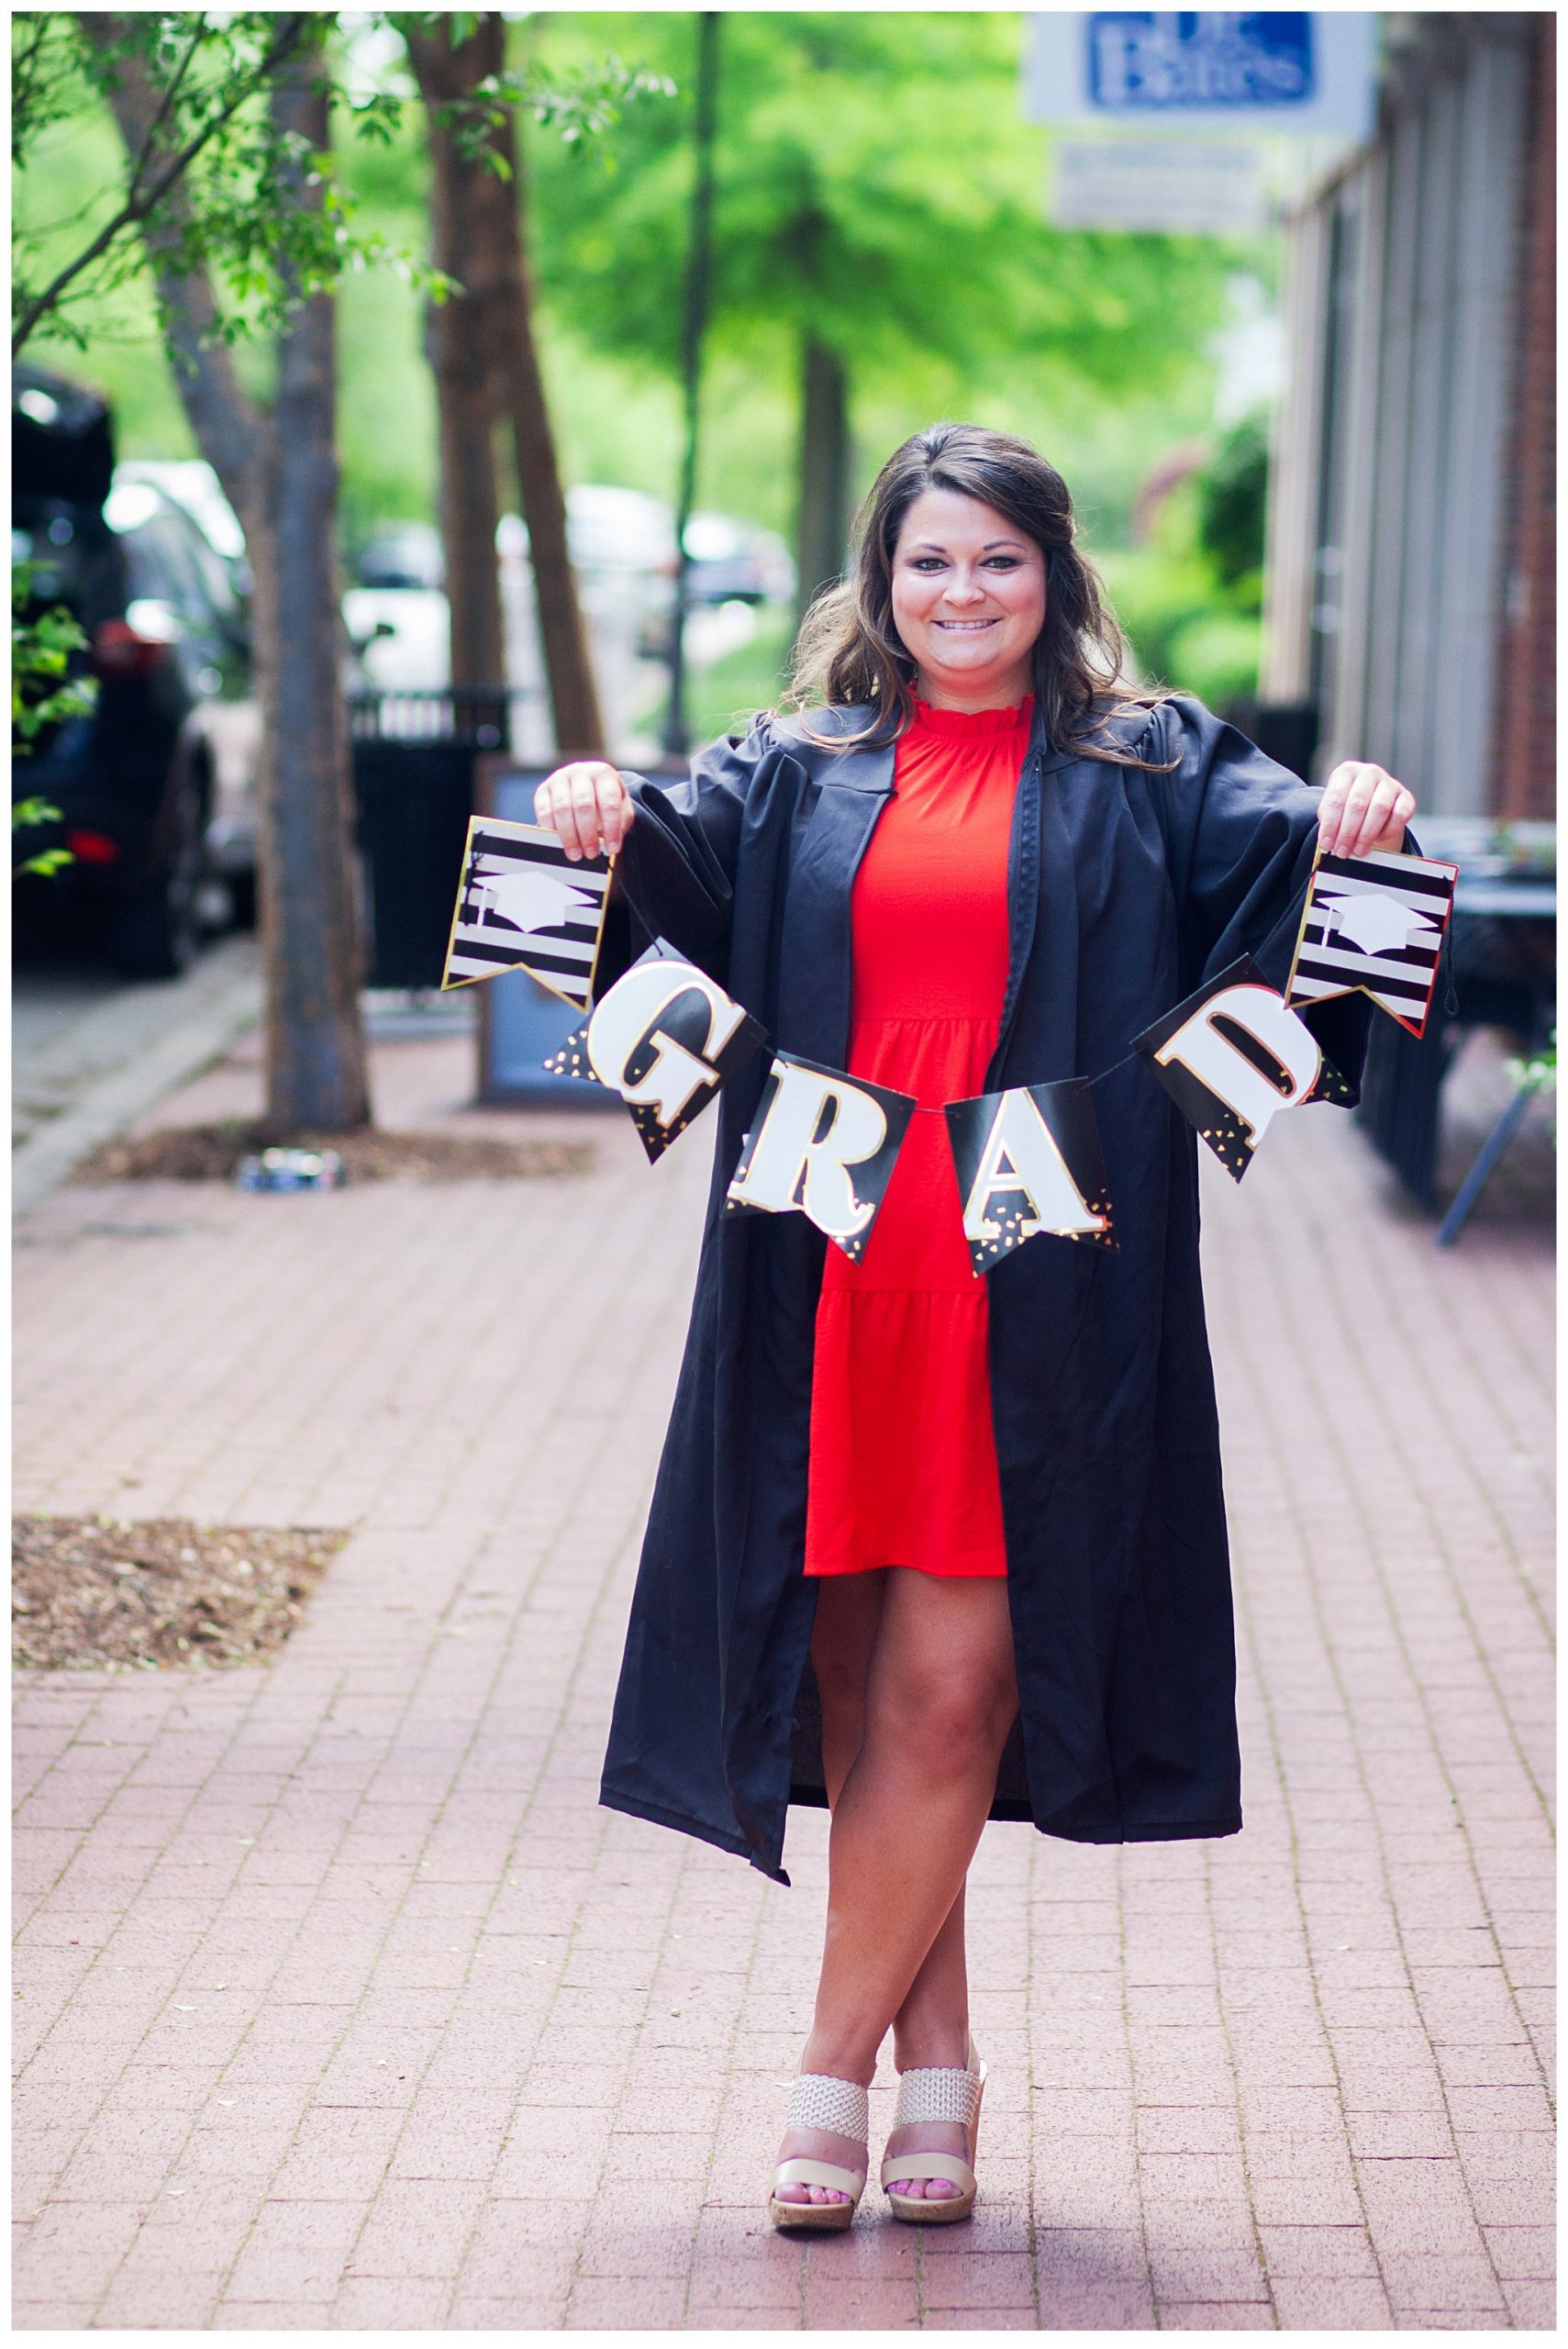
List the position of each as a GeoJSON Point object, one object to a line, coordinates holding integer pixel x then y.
{"type": "Point", "coordinates": [340, 2002]}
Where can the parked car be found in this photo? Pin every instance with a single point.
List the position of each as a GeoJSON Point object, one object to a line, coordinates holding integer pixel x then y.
{"type": "Point", "coordinates": [622, 544]}
{"type": "Point", "coordinates": [157, 787]}
{"type": "Point", "coordinates": [729, 561]}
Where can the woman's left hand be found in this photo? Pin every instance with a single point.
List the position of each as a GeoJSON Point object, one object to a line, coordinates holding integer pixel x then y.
{"type": "Point", "coordinates": [1363, 810]}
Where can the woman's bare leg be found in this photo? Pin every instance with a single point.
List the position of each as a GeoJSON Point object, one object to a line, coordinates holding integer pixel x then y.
{"type": "Point", "coordinates": [918, 1664]}
{"type": "Point", "coordinates": [848, 1611]}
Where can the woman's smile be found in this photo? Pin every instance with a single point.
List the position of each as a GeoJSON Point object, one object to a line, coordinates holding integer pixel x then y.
{"type": "Point", "coordinates": [968, 594]}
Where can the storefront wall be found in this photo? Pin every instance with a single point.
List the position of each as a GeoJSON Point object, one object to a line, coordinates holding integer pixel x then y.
{"type": "Point", "coordinates": [1395, 507]}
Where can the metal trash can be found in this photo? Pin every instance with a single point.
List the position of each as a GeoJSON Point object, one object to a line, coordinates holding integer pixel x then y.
{"type": "Point", "coordinates": [413, 767]}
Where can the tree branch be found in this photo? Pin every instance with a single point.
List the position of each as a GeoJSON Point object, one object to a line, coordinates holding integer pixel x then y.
{"type": "Point", "coordinates": [229, 429]}
{"type": "Point", "coordinates": [22, 66]}
{"type": "Point", "coordinates": [172, 91]}
{"type": "Point", "coordinates": [137, 209]}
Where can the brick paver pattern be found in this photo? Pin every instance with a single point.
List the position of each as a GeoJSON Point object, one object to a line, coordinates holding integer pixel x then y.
{"type": "Point", "coordinates": [339, 2001]}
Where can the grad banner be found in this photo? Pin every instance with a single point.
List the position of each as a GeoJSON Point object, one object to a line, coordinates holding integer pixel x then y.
{"type": "Point", "coordinates": [523, 905]}
{"type": "Point", "coordinates": [1028, 1162]}
{"type": "Point", "coordinates": [824, 1143]}
{"type": "Point", "coordinates": [665, 1037]}
{"type": "Point", "coordinates": [1232, 1056]}
{"type": "Point", "coordinates": [1375, 923]}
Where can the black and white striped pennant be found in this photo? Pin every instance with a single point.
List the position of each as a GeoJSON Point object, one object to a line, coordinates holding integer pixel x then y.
{"type": "Point", "coordinates": [523, 905]}
{"type": "Point", "coordinates": [1377, 923]}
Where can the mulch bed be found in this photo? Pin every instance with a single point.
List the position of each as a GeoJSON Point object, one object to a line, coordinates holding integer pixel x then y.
{"type": "Point", "coordinates": [212, 1154]}
{"type": "Point", "coordinates": [104, 1592]}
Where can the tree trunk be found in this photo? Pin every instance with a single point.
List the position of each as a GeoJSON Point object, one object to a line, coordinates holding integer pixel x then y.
{"type": "Point", "coordinates": [574, 694]}
{"type": "Point", "coordinates": [486, 366]}
{"type": "Point", "coordinates": [825, 497]}
{"type": "Point", "coordinates": [316, 1063]}
{"type": "Point", "coordinates": [458, 344]}
{"type": "Point", "coordinates": [279, 472]}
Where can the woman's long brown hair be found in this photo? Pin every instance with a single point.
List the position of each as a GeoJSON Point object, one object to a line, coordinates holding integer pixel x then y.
{"type": "Point", "coordinates": [849, 650]}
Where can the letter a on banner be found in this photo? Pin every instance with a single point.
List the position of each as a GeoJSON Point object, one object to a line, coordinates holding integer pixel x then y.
{"type": "Point", "coordinates": [1028, 1161]}
{"type": "Point", "coordinates": [825, 1143]}
{"type": "Point", "coordinates": [1232, 1056]}
{"type": "Point", "coordinates": [665, 1037]}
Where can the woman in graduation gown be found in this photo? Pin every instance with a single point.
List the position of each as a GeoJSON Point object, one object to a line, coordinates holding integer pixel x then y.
{"type": "Point", "coordinates": [926, 1547]}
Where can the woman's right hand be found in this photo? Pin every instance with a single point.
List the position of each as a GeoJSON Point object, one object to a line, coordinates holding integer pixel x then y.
{"type": "Point", "coordinates": [588, 804]}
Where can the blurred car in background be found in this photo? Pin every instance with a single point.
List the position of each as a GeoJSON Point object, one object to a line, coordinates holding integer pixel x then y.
{"type": "Point", "coordinates": [157, 785]}
{"type": "Point", "coordinates": [623, 552]}
{"type": "Point", "coordinates": [191, 483]}
{"type": "Point", "coordinates": [728, 561]}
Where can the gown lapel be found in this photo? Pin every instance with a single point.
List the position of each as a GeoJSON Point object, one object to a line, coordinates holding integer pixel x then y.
{"type": "Point", "coordinates": [816, 961]}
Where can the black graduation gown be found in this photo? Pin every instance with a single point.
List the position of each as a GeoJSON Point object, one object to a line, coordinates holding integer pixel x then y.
{"type": "Point", "coordinates": [1127, 889]}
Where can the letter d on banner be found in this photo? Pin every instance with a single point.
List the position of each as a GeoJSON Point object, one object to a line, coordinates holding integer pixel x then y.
{"type": "Point", "coordinates": [825, 1143]}
{"type": "Point", "coordinates": [1232, 1056]}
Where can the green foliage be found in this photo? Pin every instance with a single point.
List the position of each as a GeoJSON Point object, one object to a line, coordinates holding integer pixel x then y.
{"type": "Point", "coordinates": [1232, 496]}
{"type": "Point", "coordinates": [876, 187]}
{"type": "Point", "coordinates": [579, 103]}
{"type": "Point", "coordinates": [217, 179]}
{"type": "Point", "coordinates": [25, 813]}
{"type": "Point", "coordinates": [1191, 600]}
{"type": "Point", "coordinates": [44, 694]}
{"type": "Point", "coordinates": [1539, 1070]}
{"type": "Point", "coordinates": [43, 691]}
{"type": "Point", "coordinates": [1538, 1074]}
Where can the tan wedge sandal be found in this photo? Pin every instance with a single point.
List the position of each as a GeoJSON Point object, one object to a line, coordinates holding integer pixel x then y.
{"type": "Point", "coordinates": [818, 2102]}
{"type": "Point", "coordinates": [936, 2093]}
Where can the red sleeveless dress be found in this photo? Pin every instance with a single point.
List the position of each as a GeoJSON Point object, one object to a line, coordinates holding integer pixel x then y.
{"type": "Point", "coordinates": [903, 1458]}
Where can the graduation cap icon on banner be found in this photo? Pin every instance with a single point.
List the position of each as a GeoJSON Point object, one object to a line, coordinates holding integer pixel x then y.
{"type": "Point", "coordinates": [1232, 1055]}
{"type": "Point", "coordinates": [665, 1037]}
{"type": "Point", "coordinates": [1375, 923]}
{"type": "Point", "coordinates": [822, 1142]}
{"type": "Point", "coordinates": [1028, 1162]}
{"type": "Point", "coordinates": [523, 905]}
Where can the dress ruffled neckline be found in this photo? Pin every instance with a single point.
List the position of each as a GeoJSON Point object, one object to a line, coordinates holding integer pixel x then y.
{"type": "Point", "coordinates": [967, 725]}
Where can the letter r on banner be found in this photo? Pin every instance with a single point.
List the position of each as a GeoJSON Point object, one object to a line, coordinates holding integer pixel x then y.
{"type": "Point", "coordinates": [824, 1143]}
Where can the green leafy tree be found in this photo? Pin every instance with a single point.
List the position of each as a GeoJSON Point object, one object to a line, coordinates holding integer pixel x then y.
{"type": "Point", "coordinates": [1233, 490]}
{"type": "Point", "coordinates": [44, 693]}
{"type": "Point", "coordinates": [484, 351]}
{"type": "Point", "coordinates": [227, 201]}
{"type": "Point", "coordinates": [879, 212]}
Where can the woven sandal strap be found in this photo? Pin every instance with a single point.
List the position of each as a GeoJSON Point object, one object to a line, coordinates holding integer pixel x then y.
{"type": "Point", "coordinates": [808, 2173]}
{"type": "Point", "coordinates": [912, 2165]}
{"type": "Point", "coordinates": [937, 2093]}
{"type": "Point", "coordinates": [817, 2100]}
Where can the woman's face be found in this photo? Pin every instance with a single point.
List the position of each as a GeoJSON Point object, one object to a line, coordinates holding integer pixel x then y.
{"type": "Point", "coordinates": [968, 601]}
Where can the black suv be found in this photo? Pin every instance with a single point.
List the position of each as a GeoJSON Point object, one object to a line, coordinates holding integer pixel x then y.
{"type": "Point", "coordinates": [148, 784]}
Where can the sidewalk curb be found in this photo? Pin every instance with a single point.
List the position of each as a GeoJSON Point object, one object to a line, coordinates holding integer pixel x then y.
{"type": "Point", "coordinates": [51, 1152]}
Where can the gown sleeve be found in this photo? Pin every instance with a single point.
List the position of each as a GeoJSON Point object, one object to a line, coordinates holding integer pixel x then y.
{"type": "Point", "coordinates": [1241, 833]}
{"type": "Point", "coordinates": [676, 869]}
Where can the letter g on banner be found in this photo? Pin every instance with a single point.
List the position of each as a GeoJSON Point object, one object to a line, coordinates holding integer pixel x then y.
{"type": "Point", "coordinates": [664, 1037]}
{"type": "Point", "coordinates": [825, 1143]}
{"type": "Point", "coordinates": [1232, 1056]}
